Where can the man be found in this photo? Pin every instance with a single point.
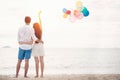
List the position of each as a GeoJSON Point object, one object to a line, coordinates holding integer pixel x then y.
{"type": "Point", "coordinates": [25, 34]}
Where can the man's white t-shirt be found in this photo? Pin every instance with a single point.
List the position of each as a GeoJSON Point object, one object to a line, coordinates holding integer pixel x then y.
{"type": "Point", "coordinates": [26, 34]}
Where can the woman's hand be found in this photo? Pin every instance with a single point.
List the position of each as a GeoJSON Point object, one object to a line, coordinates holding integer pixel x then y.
{"type": "Point", "coordinates": [41, 41]}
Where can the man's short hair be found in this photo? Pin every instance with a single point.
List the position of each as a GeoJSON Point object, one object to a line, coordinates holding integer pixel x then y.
{"type": "Point", "coordinates": [27, 19]}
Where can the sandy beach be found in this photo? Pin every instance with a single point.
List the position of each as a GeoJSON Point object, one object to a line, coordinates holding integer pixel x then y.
{"type": "Point", "coordinates": [67, 77]}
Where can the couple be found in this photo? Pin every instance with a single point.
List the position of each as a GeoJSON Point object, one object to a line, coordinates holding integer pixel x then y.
{"type": "Point", "coordinates": [30, 42]}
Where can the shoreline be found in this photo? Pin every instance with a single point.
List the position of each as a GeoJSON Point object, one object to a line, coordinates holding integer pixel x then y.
{"type": "Point", "coordinates": [66, 77]}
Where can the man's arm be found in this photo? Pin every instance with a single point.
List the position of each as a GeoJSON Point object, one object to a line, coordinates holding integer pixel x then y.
{"type": "Point", "coordinates": [31, 42]}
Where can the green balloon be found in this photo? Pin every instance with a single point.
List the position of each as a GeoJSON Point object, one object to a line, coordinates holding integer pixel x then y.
{"type": "Point", "coordinates": [84, 10]}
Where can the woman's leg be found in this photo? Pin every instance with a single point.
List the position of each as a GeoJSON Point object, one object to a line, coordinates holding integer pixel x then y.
{"type": "Point", "coordinates": [42, 65]}
{"type": "Point", "coordinates": [36, 66]}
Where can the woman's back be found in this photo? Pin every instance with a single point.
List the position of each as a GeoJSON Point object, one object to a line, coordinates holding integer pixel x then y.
{"type": "Point", "coordinates": [38, 30]}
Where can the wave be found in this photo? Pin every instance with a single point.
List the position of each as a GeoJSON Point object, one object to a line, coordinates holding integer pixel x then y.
{"type": "Point", "coordinates": [5, 46]}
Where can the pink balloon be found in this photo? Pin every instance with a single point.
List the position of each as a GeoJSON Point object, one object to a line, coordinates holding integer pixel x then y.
{"type": "Point", "coordinates": [79, 15]}
{"type": "Point", "coordinates": [72, 18]}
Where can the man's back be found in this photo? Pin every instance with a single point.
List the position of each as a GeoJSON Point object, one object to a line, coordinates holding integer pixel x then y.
{"type": "Point", "coordinates": [26, 34]}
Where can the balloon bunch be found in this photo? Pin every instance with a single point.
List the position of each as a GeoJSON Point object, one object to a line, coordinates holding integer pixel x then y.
{"type": "Point", "coordinates": [78, 13]}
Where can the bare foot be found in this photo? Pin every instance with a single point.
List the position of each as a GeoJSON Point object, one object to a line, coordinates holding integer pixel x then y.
{"type": "Point", "coordinates": [16, 76]}
{"type": "Point", "coordinates": [26, 77]}
{"type": "Point", "coordinates": [41, 76]}
{"type": "Point", "coordinates": [36, 76]}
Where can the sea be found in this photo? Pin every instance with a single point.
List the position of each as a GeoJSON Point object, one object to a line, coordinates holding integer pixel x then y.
{"type": "Point", "coordinates": [66, 61]}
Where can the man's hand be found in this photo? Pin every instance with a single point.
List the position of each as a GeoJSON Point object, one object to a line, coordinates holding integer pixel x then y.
{"type": "Point", "coordinates": [21, 42]}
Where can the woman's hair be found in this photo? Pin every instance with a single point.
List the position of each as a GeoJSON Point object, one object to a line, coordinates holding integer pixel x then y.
{"type": "Point", "coordinates": [27, 19]}
{"type": "Point", "coordinates": [38, 30]}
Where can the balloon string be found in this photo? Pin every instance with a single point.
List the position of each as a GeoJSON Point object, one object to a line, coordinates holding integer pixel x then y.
{"type": "Point", "coordinates": [40, 21]}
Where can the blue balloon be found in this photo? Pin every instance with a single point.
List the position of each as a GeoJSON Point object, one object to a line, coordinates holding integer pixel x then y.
{"type": "Point", "coordinates": [64, 10]}
{"type": "Point", "coordinates": [86, 13]}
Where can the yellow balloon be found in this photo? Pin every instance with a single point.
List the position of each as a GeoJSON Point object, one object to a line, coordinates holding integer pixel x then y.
{"type": "Point", "coordinates": [65, 15]}
{"type": "Point", "coordinates": [78, 3]}
{"type": "Point", "coordinates": [79, 8]}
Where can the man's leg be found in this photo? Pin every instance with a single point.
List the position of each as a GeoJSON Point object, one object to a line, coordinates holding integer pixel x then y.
{"type": "Point", "coordinates": [26, 67]}
{"type": "Point", "coordinates": [20, 58]}
{"type": "Point", "coordinates": [27, 57]}
{"type": "Point", "coordinates": [18, 67]}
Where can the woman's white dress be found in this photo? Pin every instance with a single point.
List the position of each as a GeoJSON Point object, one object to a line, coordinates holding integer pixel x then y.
{"type": "Point", "coordinates": [38, 49]}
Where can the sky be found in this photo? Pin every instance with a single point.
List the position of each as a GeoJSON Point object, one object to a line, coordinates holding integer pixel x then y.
{"type": "Point", "coordinates": [101, 29]}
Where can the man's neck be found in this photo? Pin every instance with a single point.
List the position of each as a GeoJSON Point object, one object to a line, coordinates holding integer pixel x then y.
{"type": "Point", "coordinates": [27, 23]}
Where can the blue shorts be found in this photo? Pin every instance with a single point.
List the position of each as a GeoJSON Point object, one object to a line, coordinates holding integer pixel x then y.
{"type": "Point", "coordinates": [24, 54]}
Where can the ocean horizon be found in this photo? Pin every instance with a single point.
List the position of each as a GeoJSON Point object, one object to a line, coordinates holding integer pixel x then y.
{"type": "Point", "coordinates": [66, 61]}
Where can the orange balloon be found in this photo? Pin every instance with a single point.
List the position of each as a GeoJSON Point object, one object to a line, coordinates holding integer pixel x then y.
{"type": "Point", "coordinates": [75, 12]}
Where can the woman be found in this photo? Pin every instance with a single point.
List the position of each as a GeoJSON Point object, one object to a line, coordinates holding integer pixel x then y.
{"type": "Point", "coordinates": [38, 49]}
